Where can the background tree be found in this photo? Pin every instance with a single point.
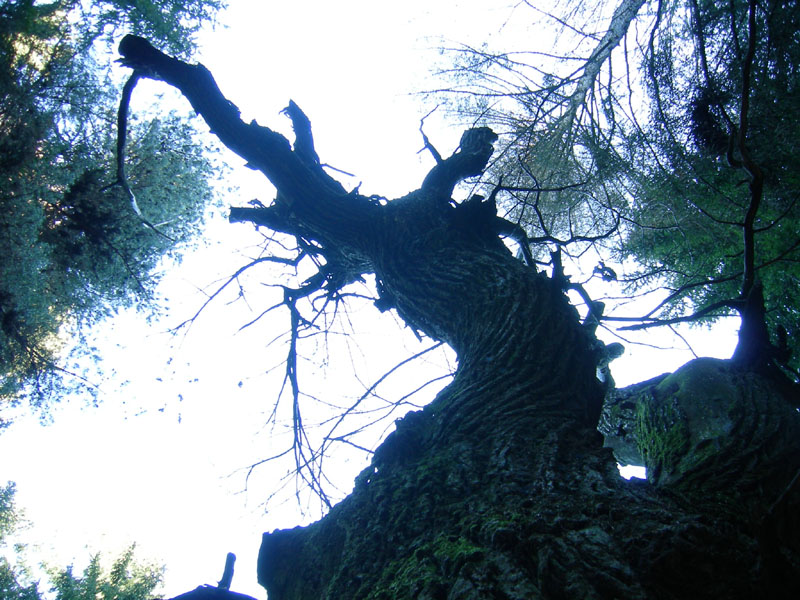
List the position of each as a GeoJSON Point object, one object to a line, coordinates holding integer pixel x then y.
{"type": "Point", "coordinates": [74, 249]}
{"type": "Point", "coordinates": [126, 579]}
{"type": "Point", "coordinates": [664, 140]}
{"type": "Point", "coordinates": [501, 487]}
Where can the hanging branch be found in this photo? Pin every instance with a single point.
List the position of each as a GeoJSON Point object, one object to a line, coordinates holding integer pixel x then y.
{"type": "Point", "coordinates": [300, 441]}
{"type": "Point", "coordinates": [122, 134]}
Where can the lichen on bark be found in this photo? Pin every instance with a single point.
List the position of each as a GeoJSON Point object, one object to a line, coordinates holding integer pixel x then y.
{"type": "Point", "coordinates": [709, 426]}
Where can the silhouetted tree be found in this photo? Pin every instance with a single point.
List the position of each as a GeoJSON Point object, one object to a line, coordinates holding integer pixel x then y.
{"type": "Point", "coordinates": [501, 487]}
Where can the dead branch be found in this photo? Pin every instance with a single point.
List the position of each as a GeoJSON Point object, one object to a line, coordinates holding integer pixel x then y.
{"type": "Point", "coordinates": [428, 146]}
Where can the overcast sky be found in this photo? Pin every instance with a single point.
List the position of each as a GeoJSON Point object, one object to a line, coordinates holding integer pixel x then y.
{"type": "Point", "coordinates": [158, 463]}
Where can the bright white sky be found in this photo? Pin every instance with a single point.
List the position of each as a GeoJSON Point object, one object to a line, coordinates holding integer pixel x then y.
{"type": "Point", "coordinates": [157, 462]}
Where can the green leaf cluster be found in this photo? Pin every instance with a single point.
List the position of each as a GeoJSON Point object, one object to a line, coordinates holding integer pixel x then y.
{"type": "Point", "coordinates": [125, 580]}
{"type": "Point", "coordinates": [73, 250]}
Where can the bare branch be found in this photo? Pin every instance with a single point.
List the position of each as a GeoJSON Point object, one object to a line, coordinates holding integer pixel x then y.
{"type": "Point", "coordinates": [428, 146]}
{"type": "Point", "coordinates": [700, 314]}
{"type": "Point", "coordinates": [380, 380]}
{"type": "Point", "coordinates": [232, 278]}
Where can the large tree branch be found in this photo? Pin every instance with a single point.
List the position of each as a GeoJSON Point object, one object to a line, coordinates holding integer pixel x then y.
{"type": "Point", "coordinates": [263, 148]}
{"type": "Point", "coordinates": [304, 188]}
{"type": "Point", "coordinates": [310, 203]}
{"type": "Point", "coordinates": [267, 216]}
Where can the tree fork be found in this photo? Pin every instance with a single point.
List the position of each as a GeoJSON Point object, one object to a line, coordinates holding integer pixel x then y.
{"type": "Point", "coordinates": [372, 236]}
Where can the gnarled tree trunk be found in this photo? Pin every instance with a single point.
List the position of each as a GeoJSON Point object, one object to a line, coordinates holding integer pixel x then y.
{"type": "Point", "coordinates": [500, 488]}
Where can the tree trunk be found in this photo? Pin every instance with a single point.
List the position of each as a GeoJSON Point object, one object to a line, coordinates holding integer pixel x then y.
{"type": "Point", "coordinates": [487, 494]}
{"type": "Point", "coordinates": [501, 487]}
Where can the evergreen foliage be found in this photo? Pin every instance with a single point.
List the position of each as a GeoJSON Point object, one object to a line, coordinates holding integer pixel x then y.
{"type": "Point", "coordinates": [126, 579]}
{"type": "Point", "coordinates": [651, 125]}
{"type": "Point", "coordinates": [73, 249]}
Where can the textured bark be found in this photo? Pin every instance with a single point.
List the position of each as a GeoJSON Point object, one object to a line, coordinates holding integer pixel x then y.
{"type": "Point", "coordinates": [485, 495]}
{"type": "Point", "coordinates": [501, 487]}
